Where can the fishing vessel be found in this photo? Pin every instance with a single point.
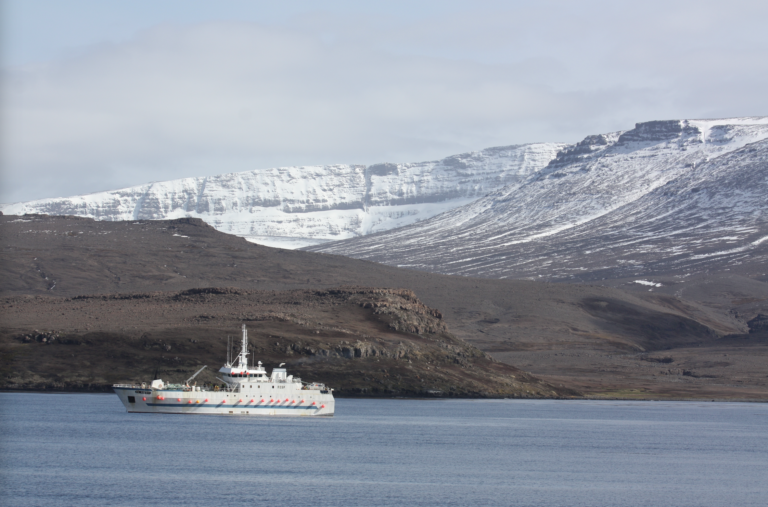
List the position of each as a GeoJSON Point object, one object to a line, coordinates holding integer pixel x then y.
{"type": "Point", "coordinates": [245, 390]}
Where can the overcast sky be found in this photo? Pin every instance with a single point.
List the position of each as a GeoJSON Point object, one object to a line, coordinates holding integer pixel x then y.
{"type": "Point", "coordinates": [102, 95]}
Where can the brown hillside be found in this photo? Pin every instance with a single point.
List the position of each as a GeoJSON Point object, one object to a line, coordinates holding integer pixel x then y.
{"type": "Point", "coordinates": [591, 337]}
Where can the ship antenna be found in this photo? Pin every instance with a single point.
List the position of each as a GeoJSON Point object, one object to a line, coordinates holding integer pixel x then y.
{"type": "Point", "coordinates": [244, 350]}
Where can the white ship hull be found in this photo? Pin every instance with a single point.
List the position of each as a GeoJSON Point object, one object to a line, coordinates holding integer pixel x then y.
{"type": "Point", "coordinates": [308, 403]}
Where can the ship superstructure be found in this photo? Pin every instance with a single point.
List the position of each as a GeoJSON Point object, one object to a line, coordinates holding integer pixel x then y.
{"type": "Point", "coordinates": [245, 390]}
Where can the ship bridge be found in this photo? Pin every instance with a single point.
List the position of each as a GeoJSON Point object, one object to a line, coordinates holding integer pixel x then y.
{"type": "Point", "coordinates": [234, 373]}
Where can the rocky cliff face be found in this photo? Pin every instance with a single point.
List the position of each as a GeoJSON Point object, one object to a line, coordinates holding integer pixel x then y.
{"type": "Point", "coordinates": [295, 206]}
{"type": "Point", "coordinates": [359, 340]}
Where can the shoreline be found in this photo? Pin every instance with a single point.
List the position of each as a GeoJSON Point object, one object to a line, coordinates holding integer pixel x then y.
{"type": "Point", "coordinates": [444, 398]}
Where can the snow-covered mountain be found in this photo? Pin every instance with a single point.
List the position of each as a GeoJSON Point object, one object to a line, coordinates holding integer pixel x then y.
{"type": "Point", "coordinates": [292, 207]}
{"type": "Point", "coordinates": [664, 197]}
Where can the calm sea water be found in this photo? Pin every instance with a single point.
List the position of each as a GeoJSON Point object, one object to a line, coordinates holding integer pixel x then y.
{"type": "Point", "coordinates": [85, 450]}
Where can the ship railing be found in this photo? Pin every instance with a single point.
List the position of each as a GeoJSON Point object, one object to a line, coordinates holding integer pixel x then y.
{"type": "Point", "coordinates": [166, 387]}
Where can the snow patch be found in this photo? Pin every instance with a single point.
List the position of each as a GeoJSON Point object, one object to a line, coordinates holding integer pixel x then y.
{"type": "Point", "coordinates": [646, 282]}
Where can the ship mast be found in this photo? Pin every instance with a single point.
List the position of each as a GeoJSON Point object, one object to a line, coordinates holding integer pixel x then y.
{"type": "Point", "coordinates": [243, 357]}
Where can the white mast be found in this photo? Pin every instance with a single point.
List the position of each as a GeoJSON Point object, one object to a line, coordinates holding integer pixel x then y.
{"type": "Point", "coordinates": [244, 350]}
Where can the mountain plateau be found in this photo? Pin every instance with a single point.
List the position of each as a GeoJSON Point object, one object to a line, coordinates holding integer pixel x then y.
{"type": "Point", "coordinates": [292, 207]}
{"type": "Point", "coordinates": [651, 206]}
